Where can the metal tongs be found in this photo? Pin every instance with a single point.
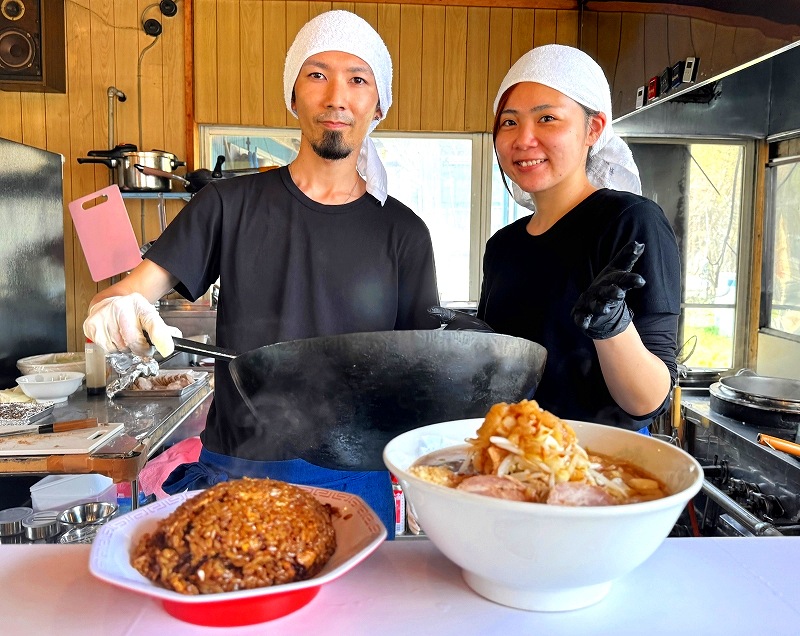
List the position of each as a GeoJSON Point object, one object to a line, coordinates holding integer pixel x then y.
{"type": "Point", "coordinates": [130, 367]}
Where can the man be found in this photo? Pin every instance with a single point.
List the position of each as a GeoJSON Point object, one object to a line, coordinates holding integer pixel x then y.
{"type": "Point", "coordinates": [311, 249]}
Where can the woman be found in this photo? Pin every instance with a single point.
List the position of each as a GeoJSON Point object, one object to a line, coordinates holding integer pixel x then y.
{"type": "Point", "coordinates": [561, 276]}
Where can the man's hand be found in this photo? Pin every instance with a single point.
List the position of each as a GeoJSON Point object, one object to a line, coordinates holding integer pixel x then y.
{"type": "Point", "coordinates": [601, 311]}
{"type": "Point", "coordinates": [117, 324]}
{"type": "Point", "coordinates": [458, 320]}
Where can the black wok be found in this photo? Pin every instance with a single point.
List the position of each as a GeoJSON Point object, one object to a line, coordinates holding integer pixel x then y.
{"type": "Point", "coordinates": [336, 401]}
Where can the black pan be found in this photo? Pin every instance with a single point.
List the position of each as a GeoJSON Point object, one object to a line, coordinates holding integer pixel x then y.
{"type": "Point", "coordinates": [762, 389]}
{"type": "Point", "coordinates": [336, 401]}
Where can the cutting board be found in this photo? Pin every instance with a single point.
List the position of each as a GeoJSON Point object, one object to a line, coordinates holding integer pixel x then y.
{"type": "Point", "coordinates": [105, 232]}
{"type": "Point", "coordinates": [81, 441]}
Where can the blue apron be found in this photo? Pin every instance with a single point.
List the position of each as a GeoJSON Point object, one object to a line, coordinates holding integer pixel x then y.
{"type": "Point", "coordinates": [374, 487]}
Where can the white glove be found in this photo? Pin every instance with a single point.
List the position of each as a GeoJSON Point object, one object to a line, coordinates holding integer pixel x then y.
{"type": "Point", "coordinates": [117, 324]}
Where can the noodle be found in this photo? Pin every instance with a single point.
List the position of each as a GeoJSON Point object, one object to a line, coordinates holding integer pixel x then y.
{"type": "Point", "coordinates": [540, 454]}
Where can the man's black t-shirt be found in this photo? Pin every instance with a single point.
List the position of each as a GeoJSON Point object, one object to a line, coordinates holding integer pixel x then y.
{"type": "Point", "coordinates": [292, 268]}
{"type": "Point", "coordinates": [531, 284]}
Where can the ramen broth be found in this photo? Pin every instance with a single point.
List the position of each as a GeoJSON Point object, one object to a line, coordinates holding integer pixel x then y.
{"type": "Point", "coordinates": [451, 467]}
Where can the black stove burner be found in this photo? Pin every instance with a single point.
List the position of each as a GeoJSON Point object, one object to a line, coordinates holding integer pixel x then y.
{"type": "Point", "coordinates": [779, 423]}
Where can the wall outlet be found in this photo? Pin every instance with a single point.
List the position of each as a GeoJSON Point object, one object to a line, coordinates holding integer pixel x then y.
{"type": "Point", "coordinates": [690, 69]}
{"type": "Point", "coordinates": [641, 96]}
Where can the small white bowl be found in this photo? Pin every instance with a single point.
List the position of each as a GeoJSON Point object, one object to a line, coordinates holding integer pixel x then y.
{"type": "Point", "coordinates": [55, 386]}
{"type": "Point", "coordinates": [543, 557]}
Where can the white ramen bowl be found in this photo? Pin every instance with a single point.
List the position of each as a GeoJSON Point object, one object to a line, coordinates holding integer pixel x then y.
{"type": "Point", "coordinates": [544, 557]}
{"type": "Point", "coordinates": [55, 386]}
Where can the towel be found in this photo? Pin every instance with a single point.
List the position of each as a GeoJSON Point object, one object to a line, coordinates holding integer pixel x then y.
{"type": "Point", "coordinates": [573, 73]}
{"type": "Point", "coordinates": [346, 32]}
{"type": "Point", "coordinates": [156, 471]}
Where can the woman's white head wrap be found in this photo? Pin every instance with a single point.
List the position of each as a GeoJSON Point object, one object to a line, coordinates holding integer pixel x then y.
{"type": "Point", "coordinates": [346, 32]}
{"type": "Point", "coordinates": [573, 73]}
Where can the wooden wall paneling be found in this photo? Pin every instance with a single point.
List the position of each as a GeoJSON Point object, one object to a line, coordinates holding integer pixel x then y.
{"type": "Point", "coordinates": [630, 63]}
{"type": "Point", "coordinates": [229, 65]}
{"type": "Point", "coordinates": [409, 67]}
{"type": "Point", "coordinates": [567, 28]}
{"type": "Point", "coordinates": [499, 57]}
{"type": "Point", "coordinates": [703, 34]}
{"type": "Point", "coordinates": [316, 8]}
{"type": "Point", "coordinates": [588, 33]}
{"type": "Point", "coordinates": [34, 123]}
{"type": "Point", "coordinates": [389, 29]}
{"type": "Point", "coordinates": [609, 32]}
{"type": "Point", "coordinates": [11, 115]}
{"type": "Point", "coordinates": [174, 99]}
{"type": "Point", "coordinates": [432, 92]}
{"type": "Point", "coordinates": [545, 29]}
{"type": "Point", "coordinates": [680, 38]}
{"type": "Point", "coordinates": [455, 68]}
{"type": "Point", "coordinates": [368, 11]}
{"type": "Point", "coordinates": [205, 61]}
{"type": "Point", "coordinates": [251, 38]}
{"type": "Point", "coordinates": [722, 57]}
{"type": "Point", "coordinates": [275, 47]}
{"type": "Point", "coordinates": [655, 45]}
{"type": "Point", "coordinates": [126, 56]}
{"type": "Point", "coordinates": [477, 70]}
{"type": "Point", "coordinates": [78, 25]}
{"type": "Point", "coordinates": [101, 62]}
{"type": "Point", "coordinates": [297, 14]}
{"type": "Point", "coordinates": [343, 6]}
{"type": "Point", "coordinates": [522, 22]}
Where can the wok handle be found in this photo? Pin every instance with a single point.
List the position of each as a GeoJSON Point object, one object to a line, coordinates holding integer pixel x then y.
{"type": "Point", "coordinates": [191, 346]}
{"type": "Point", "coordinates": [155, 172]}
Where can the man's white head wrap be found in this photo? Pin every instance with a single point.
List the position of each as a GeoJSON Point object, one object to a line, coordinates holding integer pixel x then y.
{"type": "Point", "coordinates": [346, 32]}
{"type": "Point", "coordinates": [571, 72]}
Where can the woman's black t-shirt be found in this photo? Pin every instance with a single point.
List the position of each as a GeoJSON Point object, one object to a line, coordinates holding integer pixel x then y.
{"type": "Point", "coordinates": [531, 284]}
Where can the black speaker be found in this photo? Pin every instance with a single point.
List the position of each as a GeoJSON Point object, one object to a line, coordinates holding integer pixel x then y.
{"type": "Point", "coordinates": [32, 46]}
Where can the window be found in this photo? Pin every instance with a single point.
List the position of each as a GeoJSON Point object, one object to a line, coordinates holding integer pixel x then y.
{"type": "Point", "coordinates": [700, 186]}
{"type": "Point", "coordinates": [782, 247]}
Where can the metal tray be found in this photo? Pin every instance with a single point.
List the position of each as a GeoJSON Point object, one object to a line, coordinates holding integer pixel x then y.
{"type": "Point", "coordinates": [200, 378]}
{"type": "Point", "coordinates": [23, 413]}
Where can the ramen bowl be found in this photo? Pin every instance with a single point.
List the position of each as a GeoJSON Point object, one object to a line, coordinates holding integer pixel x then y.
{"type": "Point", "coordinates": [542, 557]}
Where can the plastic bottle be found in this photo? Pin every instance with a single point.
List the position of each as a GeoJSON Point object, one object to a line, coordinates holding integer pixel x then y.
{"type": "Point", "coordinates": [95, 369]}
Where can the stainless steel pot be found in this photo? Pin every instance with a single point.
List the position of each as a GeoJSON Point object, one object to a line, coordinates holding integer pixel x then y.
{"type": "Point", "coordinates": [123, 160]}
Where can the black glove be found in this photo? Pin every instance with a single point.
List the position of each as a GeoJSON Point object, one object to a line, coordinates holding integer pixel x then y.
{"type": "Point", "coordinates": [601, 311]}
{"type": "Point", "coordinates": [458, 320]}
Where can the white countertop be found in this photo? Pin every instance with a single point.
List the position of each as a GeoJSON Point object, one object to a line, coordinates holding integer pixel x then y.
{"type": "Point", "coordinates": [727, 586]}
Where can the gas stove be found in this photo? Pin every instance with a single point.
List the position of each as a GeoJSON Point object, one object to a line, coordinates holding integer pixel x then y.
{"type": "Point", "coordinates": [749, 488]}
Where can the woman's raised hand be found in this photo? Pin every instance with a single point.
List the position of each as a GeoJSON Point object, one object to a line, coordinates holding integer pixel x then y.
{"type": "Point", "coordinates": [601, 311]}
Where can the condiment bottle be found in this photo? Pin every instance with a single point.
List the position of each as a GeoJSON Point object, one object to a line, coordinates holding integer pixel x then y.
{"type": "Point", "coordinates": [399, 507]}
{"type": "Point", "coordinates": [95, 369]}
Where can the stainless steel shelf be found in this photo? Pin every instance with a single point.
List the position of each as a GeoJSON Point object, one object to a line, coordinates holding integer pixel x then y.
{"type": "Point", "coordinates": [157, 195]}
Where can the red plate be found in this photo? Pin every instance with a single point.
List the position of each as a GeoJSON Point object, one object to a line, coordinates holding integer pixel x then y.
{"type": "Point", "coordinates": [358, 534]}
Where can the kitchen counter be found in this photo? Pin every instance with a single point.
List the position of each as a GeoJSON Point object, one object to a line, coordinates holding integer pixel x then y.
{"type": "Point", "coordinates": [148, 421]}
{"type": "Point", "coordinates": [728, 586]}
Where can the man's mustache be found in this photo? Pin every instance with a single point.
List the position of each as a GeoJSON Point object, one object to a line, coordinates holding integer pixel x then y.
{"type": "Point", "coordinates": [338, 118]}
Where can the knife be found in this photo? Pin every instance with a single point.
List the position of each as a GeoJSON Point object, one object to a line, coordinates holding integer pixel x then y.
{"type": "Point", "coordinates": [55, 427]}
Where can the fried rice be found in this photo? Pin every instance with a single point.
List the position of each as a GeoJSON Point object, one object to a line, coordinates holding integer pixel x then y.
{"type": "Point", "coordinates": [238, 535]}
